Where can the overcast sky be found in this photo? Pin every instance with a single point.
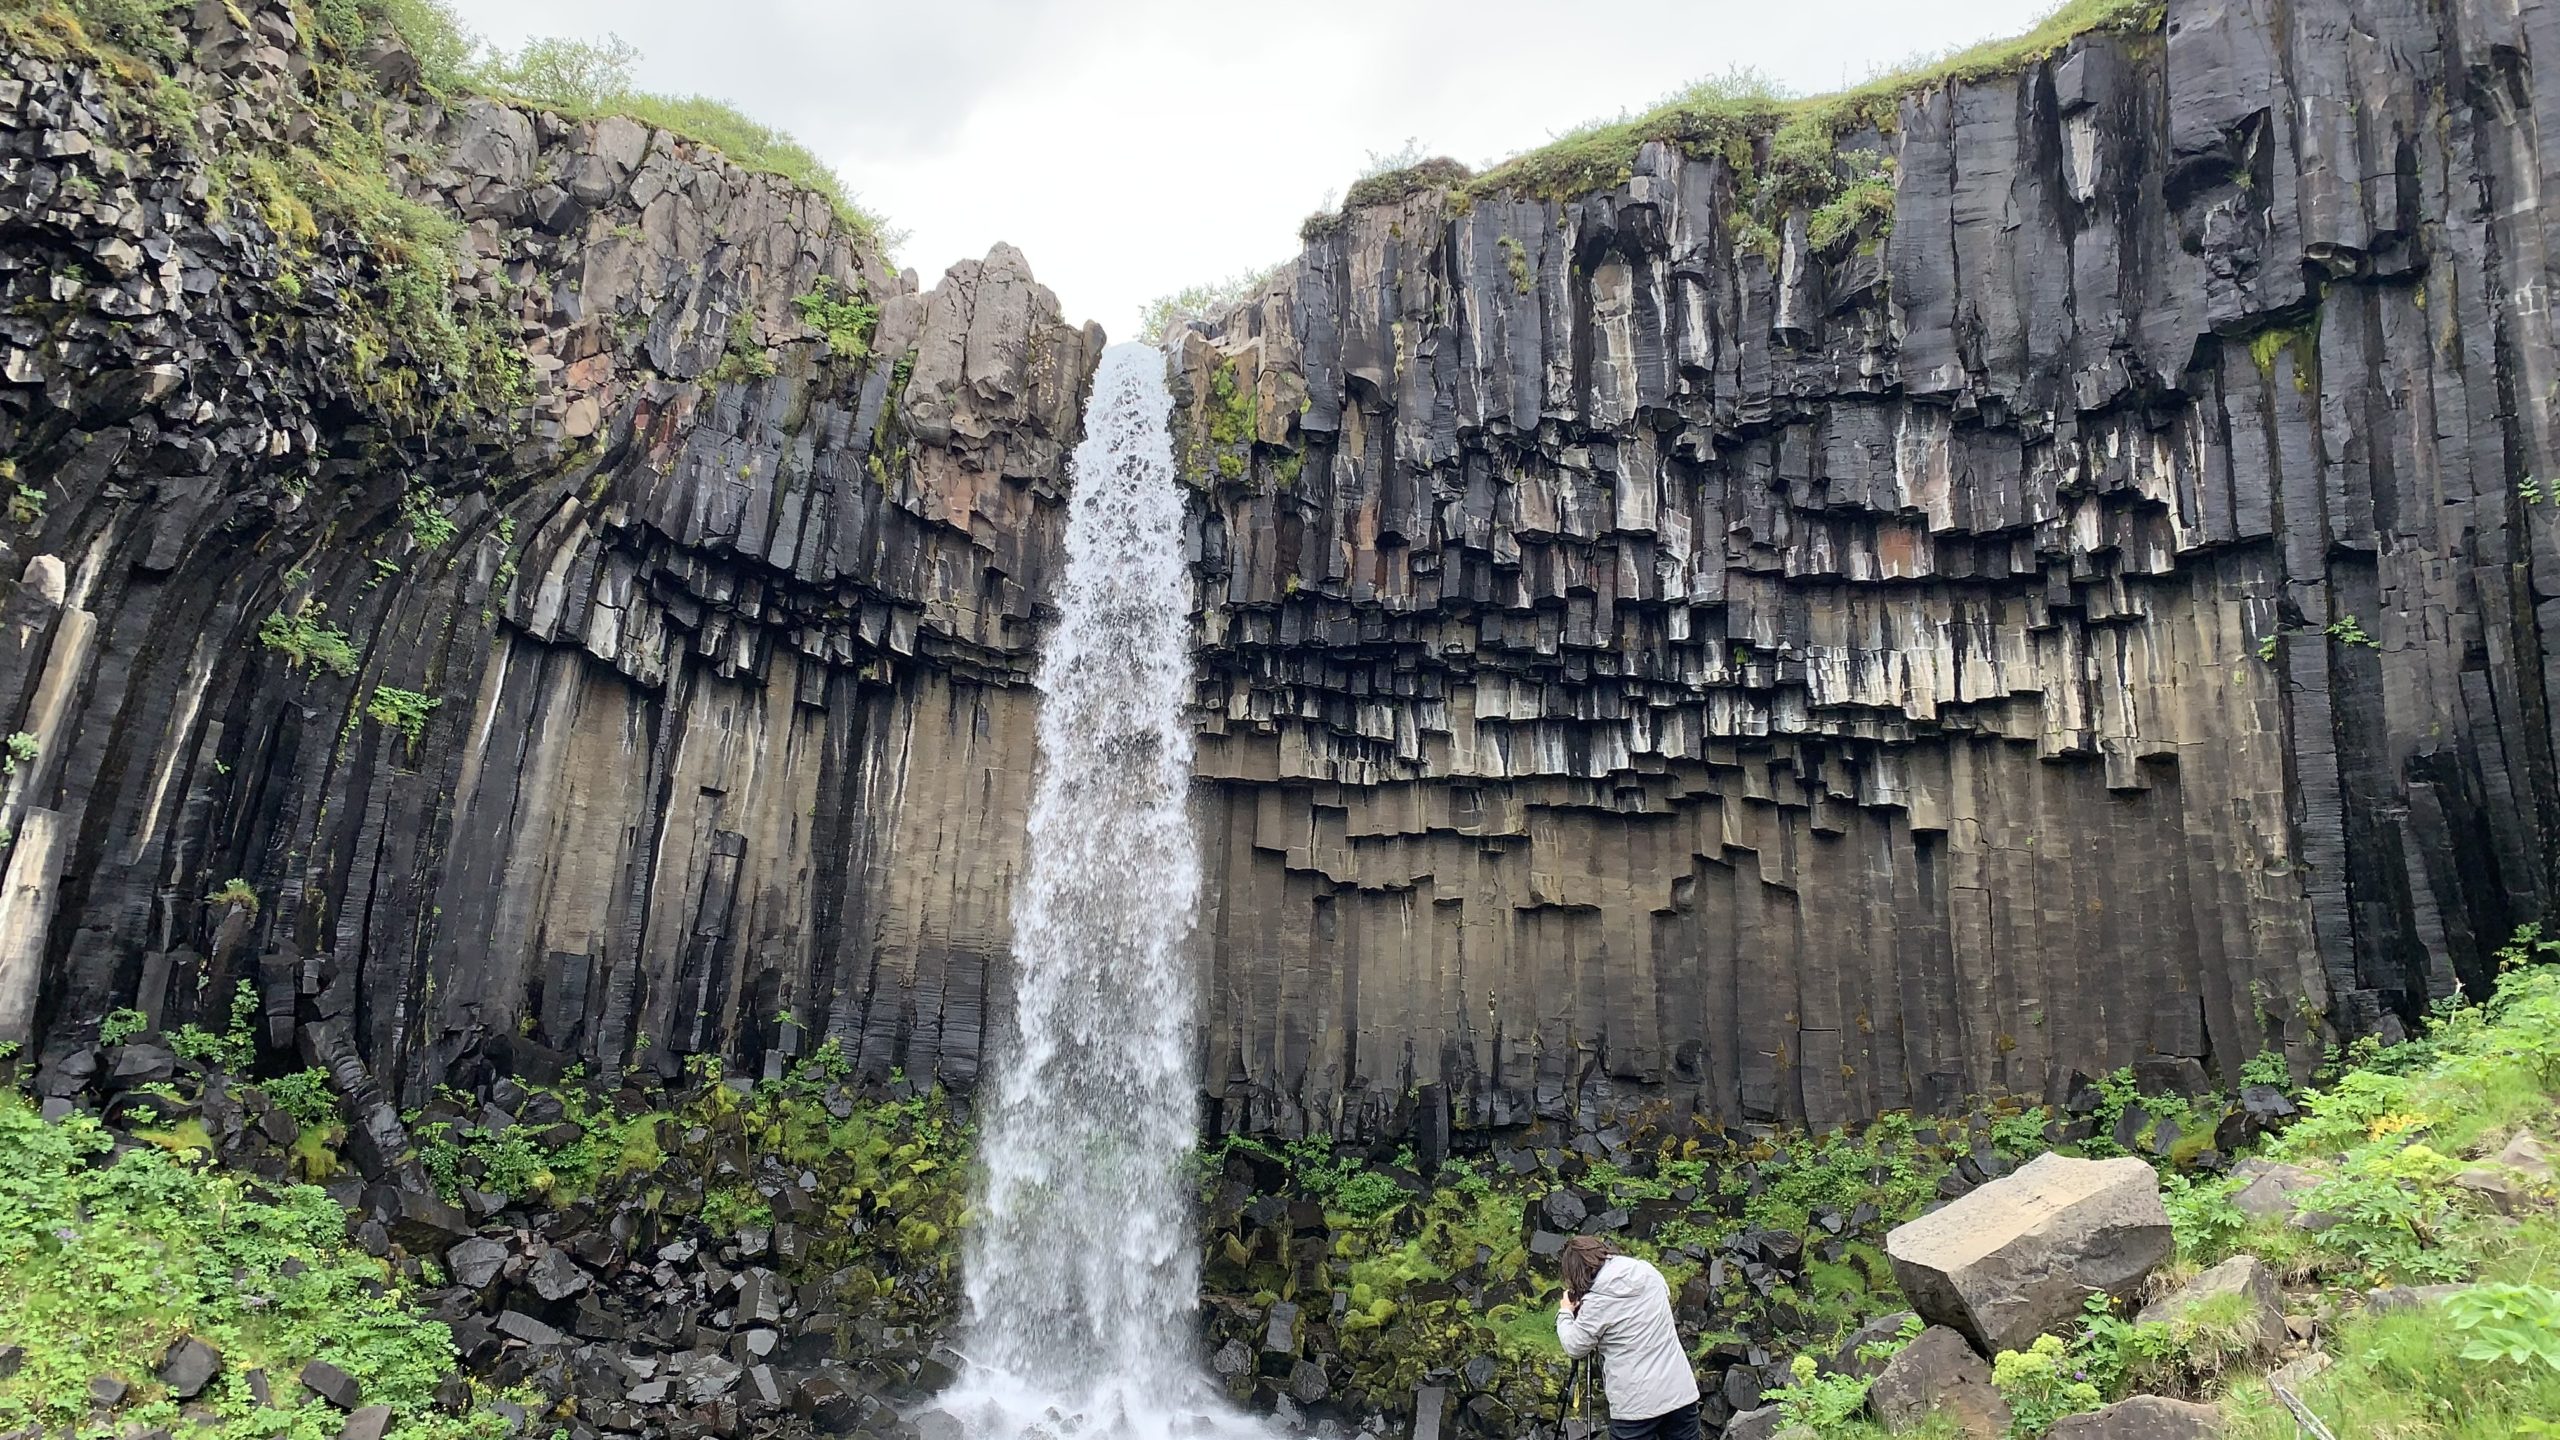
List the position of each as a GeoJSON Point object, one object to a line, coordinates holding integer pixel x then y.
{"type": "Point", "coordinates": [1132, 147]}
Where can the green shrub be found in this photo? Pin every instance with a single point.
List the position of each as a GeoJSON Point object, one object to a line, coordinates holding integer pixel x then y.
{"type": "Point", "coordinates": [403, 710]}
{"type": "Point", "coordinates": [2040, 1386]}
{"type": "Point", "coordinates": [304, 638]}
{"type": "Point", "coordinates": [845, 320]}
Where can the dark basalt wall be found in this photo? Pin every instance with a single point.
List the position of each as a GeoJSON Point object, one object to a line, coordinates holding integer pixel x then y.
{"type": "Point", "coordinates": [2099, 618]}
{"type": "Point", "coordinates": [728, 651]}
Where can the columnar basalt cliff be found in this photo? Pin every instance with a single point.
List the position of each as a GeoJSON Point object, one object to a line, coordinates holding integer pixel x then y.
{"type": "Point", "coordinates": [1802, 660]}
{"type": "Point", "coordinates": [2069, 590]}
{"type": "Point", "coordinates": [661, 692]}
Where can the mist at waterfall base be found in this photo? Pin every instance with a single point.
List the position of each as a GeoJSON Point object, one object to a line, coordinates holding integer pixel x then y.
{"type": "Point", "coordinates": [1081, 1271]}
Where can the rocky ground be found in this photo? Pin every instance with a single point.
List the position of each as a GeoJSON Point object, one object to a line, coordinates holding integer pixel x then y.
{"type": "Point", "coordinates": [714, 1257]}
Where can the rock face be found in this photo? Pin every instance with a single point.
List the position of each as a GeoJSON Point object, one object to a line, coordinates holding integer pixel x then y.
{"type": "Point", "coordinates": [2019, 1257]}
{"type": "Point", "coordinates": [714, 641]}
{"type": "Point", "coordinates": [2089, 610]}
{"type": "Point", "coordinates": [2101, 621]}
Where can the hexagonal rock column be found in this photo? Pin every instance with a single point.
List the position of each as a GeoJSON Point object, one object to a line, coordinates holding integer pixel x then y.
{"type": "Point", "coordinates": [2019, 1256]}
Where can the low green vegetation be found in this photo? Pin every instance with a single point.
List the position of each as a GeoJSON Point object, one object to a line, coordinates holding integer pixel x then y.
{"type": "Point", "coordinates": [892, 1173]}
{"type": "Point", "coordinates": [587, 78]}
{"type": "Point", "coordinates": [2387, 1146]}
{"type": "Point", "coordinates": [306, 639]}
{"type": "Point", "coordinates": [1208, 301]}
{"type": "Point", "coordinates": [845, 320]}
{"type": "Point", "coordinates": [108, 1259]}
{"type": "Point", "coordinates": [1826, 155]}
{"type": "Point", "coordinates": [403, 710]}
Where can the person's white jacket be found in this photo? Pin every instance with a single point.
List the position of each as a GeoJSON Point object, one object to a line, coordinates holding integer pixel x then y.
{"type": "Point", "coordinates": [1627, 1318]}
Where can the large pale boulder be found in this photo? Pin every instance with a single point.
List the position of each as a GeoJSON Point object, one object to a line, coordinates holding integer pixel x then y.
{"type": "Point", "coordinates": [2144, 1417]}
{"type": "Point", "coordinates": [2018, 1257]}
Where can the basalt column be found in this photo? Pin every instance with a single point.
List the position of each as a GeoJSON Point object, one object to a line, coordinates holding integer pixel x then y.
{"type": "Point", "coordinates": [1662, 647]}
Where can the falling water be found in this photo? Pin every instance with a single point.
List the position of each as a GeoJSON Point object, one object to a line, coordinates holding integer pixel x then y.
{"type": "Point", "coordinates": [1082, 1275]}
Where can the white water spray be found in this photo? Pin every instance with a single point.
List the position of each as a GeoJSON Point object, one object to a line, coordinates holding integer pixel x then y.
{"type": "Point", "coordinates": [1081, 1267]}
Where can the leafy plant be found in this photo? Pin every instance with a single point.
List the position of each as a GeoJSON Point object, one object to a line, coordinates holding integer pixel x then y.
{"type": "Point", "coordinates": [2041, 1385]}
{"type": "Point", "coordinates": [107, 1258]}
{"type": "Point", "coordinates": [403, 710]}
{"type": "Point", "coordinates": [2347, 630]}
{"type": "Point", "coordinates": [234, 891]}
{"type": "Point", "coordinates": [427, 522]}
{"type": "Point", "coordinates": [21, 750]}
{"type": "Point", "coordinates": [2509, 1324]}
{"type": "Point", "coordinates": [845, 320]}
{"type": "Point", "coordinates": [305, 639]}
{"type": "Point", "coordinates": [1815, 1399]}
{"type": "Point", "coordinates": [121, 1025]}
{"type": "Point", "coordinates": [236, 1048]}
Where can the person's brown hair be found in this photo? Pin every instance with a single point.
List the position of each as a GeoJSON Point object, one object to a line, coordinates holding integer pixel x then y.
{"type": "Point", "coordinates": [1583, 1257]}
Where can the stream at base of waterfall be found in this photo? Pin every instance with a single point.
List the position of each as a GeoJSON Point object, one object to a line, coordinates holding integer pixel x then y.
{"type": "Point", "coordinates": [1082, 1277]}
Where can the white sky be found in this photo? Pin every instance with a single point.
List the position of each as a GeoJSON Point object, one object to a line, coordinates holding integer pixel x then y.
{"type": "Point", "coordinates": [1132, 147]}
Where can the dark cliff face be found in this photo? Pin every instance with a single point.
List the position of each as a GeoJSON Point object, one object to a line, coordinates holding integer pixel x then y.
{"type": "Point", "coordinates": [2098, 617]}
{"type": "Point", "coordinates": [1654, 648]}
{"type": "Point", "coordinates": [613, 705]}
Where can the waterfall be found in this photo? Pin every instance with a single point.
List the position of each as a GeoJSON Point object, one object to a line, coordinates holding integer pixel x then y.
{"type": "Point", "coordinates": [1081, 1267]}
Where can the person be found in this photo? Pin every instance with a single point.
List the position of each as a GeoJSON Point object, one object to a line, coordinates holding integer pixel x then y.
{"type": "Point", "coordinates": [1620, 1307]}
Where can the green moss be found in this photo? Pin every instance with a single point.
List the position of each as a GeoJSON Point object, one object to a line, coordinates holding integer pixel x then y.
{"type": "Point", "coordinates": [1515, 257]}
{"type": "Point", "coordinates": [1438, 173]}
{"type": "Point", "coordinates": [2301, 340]}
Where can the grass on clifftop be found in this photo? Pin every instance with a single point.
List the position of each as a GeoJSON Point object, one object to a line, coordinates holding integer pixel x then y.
{"type": "Point", "coordinates": [586, 79]}
{"type": "Point", "coordinates": [1716, 115]}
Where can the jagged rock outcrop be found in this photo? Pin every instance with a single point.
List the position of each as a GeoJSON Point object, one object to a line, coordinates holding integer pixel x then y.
{"type": "Point", "coordinates": [2097, 616]}
{"type": "Point", "coordinates": [646, 676]}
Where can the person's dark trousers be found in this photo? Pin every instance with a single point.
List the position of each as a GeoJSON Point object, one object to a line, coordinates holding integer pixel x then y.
{"type": "Point", "coordinates": [1680, 1424]}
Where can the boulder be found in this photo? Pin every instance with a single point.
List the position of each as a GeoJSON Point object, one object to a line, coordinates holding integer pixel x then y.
{"type": "Point", "coordinates": [2408, 1297]}
{"type": "Point", "coordinates": [367, 1422]}
{"type": "Point", "coordinates": [2528, 1155]}
{"type": "Point", "coordinates": [2236, 1308]}
{"type": "Point", "coordinates": [1762, 1424]}
{"type": "Point", "coordinates": [475, 1262]}
{"type": "Point", "coordinates": [188, 1367]}
{"type": "Point", "coordinates": [332, 1384]}
{"type": "Point", "coordinates": [2018, 1257]}
{"type": "Point", "coordinates": [1938, 1375]}
{"type": "Point", "coordinates": [2144, 1417]}
{"type": "Point", "coordinates": [2267, 1188]}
